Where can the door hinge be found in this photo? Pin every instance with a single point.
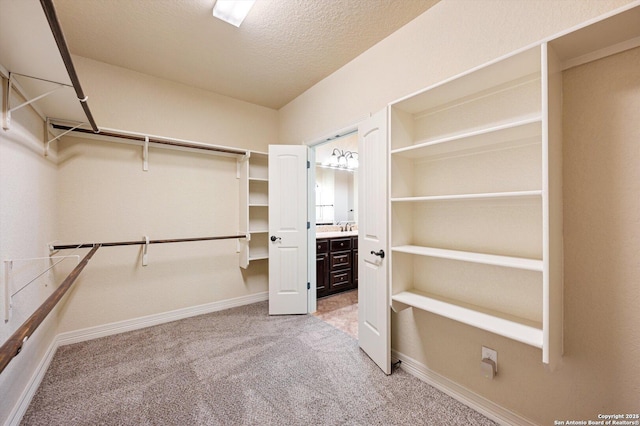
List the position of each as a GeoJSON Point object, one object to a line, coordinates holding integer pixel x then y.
{"type": "Point", "coordinates": [308, 286]}
{"type": "Point", "coordinates": [308, 164]}
{"type": "Point", "coordinates": [308, 225]}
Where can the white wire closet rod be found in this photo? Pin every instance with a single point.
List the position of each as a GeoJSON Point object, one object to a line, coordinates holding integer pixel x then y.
{"type": "Point", "coordinates": [54, 247]}
{"type": "Point", "coordinates": [141, 138]}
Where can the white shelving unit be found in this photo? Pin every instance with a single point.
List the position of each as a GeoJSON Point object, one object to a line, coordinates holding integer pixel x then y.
{"type": "Point", "coordinates": [471, 216]}
{"type": "Point", "coordinates": [253, 172]}
{"type": "Point", "coordinates": [476, 187]}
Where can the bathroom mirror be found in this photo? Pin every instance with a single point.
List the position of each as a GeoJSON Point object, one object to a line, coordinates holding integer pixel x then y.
{"type": "Point", "coordinates": [336, 196]}
{"type": "Point", "coordinates": [337, 181]}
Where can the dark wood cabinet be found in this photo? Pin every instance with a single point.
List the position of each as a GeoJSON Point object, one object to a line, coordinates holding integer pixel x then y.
{"type": "Point", "coordinates": [336, 265]}
{"type": "Point", "coordinates": [354, 259]}
{"type": "Point", "coordinates": [322, 267]}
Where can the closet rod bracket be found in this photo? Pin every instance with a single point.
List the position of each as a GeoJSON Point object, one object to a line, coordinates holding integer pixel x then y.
{"type": "Point", "coordinates": [6, 95]}
{"type": "Point", "coordinates": [145, 154]}
{"type": "Point", "coordinates": [9, 279]}
{"type": "Point", "coordinates": [6, 107]}
{"type": "Point", "coordinates": [145, 260]}
{"type": "Point", "coordinates": [242, 159]}
{"type": "Point", "coordinates": [47, 144]}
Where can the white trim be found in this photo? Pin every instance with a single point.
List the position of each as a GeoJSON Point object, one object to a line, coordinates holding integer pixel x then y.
{"type": "Point", "coordinates": [325, 137]}
{"type": "Point", "coordinates": [115, 328]}
{"type": "Point", "coordinates": [15, 417]}
{"type": "Point", "coordinates": [471, 399]}
{"type": "Point", "coordinates": [96, 332]}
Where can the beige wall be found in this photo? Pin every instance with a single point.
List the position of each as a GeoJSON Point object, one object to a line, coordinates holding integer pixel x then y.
{"type": "Point", "coordinates": [127, 100]}
{"type": "Point", "coordinates": [450, 38]}
{"type": "Point", "coordinates": [599, 372]}
{"type": "Point", "coordinates": [27, 225]}
{"type": "Point", "coordinates": [105, 196]}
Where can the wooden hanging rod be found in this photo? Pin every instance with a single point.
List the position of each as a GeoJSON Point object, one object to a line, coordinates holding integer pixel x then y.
{"type": "Point", "coordinates": [152, 140]}
{"type": "Point", "coordinates": [13, 345]}
{"type": "Point", "coordinates": [58, 35]}
{"type": "Point", "coordinates": [143, 242]}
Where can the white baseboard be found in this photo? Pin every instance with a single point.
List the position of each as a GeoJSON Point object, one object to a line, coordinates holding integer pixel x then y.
{"type": "Point", "coordinates": [30, 390]}
{"type": "Point", "coordinates": [115, 328]}
{"type": "Point", "coordinates": [471, 399]}
{"type": "Point", "coordinates": [96, 332]}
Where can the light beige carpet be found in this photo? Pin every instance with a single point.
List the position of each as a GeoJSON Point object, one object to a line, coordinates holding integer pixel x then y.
{"type": "Point", "coordinates": [234, 367]}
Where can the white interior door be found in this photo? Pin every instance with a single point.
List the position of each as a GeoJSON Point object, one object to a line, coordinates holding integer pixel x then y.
{"type": "Point", "coordinates": [373, 294]}
{"type": "Point", "coordinates": [288, 229]}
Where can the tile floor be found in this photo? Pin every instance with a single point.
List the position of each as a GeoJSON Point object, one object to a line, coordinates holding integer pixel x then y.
{"type": "Point", "coordinates": [341, 311]}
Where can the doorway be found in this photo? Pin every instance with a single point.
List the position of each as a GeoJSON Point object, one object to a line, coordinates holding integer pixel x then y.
{"type": "Point", "coordinates": [335, 198]}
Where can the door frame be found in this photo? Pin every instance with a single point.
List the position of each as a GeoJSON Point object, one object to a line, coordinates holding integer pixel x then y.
{"type": "Point", "coordinates": [311, 194]}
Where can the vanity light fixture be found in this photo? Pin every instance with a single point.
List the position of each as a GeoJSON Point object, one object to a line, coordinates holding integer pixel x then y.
{"type": "Point", "coordinates": [352, 160]}
{"type": "Point", "coordinates": [232, 11]}
{"type": "Point", "coordinates": [343, 159]}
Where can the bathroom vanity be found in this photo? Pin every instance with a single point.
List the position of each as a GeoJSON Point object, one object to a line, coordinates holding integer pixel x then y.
{"type": "Point", "coordinates": [336, 262]}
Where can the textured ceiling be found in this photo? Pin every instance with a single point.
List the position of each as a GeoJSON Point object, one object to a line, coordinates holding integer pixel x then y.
{"type": "Point", "coordinates": [282, 48]}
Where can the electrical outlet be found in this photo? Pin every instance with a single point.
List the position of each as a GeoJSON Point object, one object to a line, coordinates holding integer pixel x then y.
{"type": "Point", "coordinates": [490, 354]}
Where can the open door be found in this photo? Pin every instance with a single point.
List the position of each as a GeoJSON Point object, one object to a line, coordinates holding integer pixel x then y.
{"type": "Point", "coordinates": [288, 229]}
{"type": "Point", "coordinates": [373, 291]}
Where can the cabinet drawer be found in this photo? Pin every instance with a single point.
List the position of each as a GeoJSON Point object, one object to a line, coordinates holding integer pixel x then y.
{"type": "Point", "coordinates": [340, 260]}
{"type": "Point", "coordinates": [340, 278]}
{"type": "Point", "coordinates": [322, 246]}
{"type": "Point", "coordinates": [339, 244]}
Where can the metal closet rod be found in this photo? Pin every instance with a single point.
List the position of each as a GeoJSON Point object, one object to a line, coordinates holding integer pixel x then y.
{"type": "Point", "coordinates": [143, 242]}
{"type": "Point", "coordinates": [12, 347]}
{"type": "Point", "coordinates": [151, 140]}
{"type": "Point", "coordinates": [58, 35]}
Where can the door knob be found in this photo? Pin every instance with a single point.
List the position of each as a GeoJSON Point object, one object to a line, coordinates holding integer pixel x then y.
{"type": "Point", "coordinates": [378, 253]}
{"type": "Point", "coordinates": [274, 238]}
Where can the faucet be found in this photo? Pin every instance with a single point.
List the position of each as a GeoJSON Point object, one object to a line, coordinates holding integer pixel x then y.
{"type": "Point", "coordinates": [348, 226]}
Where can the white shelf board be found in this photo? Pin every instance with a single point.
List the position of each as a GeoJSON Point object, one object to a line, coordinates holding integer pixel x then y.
{"type": "Point", "coordinates": [517, 329]}
{"type": "Point", "coordinates": [258, 256]}
{"type": "Point", "coordinates": [258, 205]}
{"type": "Point", "coordinates": [258, 231]}
{"type": "Point", "coordinates": [453, 197]}
{"type": "Point", "coordinates": [525, 128]}
{"type": "Point", "coordinates": [465, 256]}
{"type": "Point", "coordinates": [496, 73]}
{"type": "Point", "coordinates": [255, 179]}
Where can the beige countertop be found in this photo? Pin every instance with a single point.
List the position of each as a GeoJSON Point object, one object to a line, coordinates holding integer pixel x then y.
{"type": "Point", "coordinates": [336, 234]}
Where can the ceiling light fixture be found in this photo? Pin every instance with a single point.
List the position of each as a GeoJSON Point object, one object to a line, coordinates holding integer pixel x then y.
{"type": "Point", "coordinates": [232, 11]}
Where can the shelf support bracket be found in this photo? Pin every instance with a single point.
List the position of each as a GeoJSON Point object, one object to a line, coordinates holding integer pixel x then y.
{"type": "Point", "coordinates": [6, 95]}
{"type": "Point", "coordinates": [145, 154]}
{"type": "Point", "coordinates": [47, 144]}
{"type": "Point", "coordinates": [8, 279]}
{"type": "Point", "coordinates": [8, 269]}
